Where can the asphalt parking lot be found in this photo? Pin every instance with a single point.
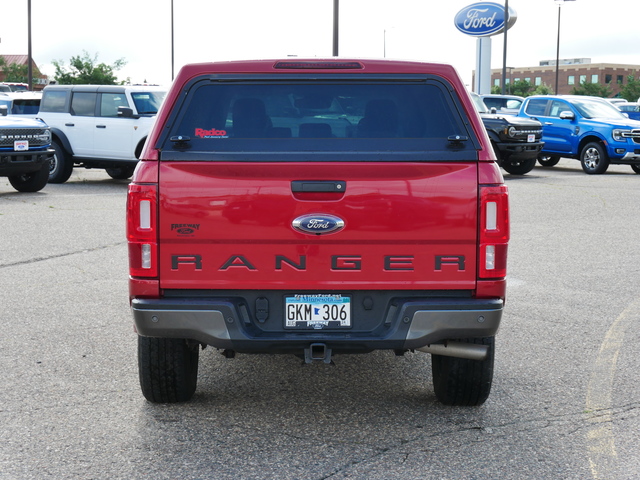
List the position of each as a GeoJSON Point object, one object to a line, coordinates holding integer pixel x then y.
{"type": "Point", "coordinates": [565, 402]}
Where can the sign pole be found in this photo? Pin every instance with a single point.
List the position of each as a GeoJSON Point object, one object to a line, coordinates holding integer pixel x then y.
{"type": "Point", "coordinates": [504, 51]}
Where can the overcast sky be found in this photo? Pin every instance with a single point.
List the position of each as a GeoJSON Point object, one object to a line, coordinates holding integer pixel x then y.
{"type": "Point", "coordinates": [139, 31]}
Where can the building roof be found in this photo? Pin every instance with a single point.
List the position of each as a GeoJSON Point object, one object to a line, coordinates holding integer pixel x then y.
{"type": "Point", "coordinates": [19, 59]}
{"type": "Point", "coordinates": [39, 80]}
{"type": "Point", "coordinates": [571, 67]}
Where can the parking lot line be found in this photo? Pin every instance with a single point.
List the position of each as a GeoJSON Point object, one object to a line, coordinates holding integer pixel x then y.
{"type": "Point", "coordinates": [600, 435]}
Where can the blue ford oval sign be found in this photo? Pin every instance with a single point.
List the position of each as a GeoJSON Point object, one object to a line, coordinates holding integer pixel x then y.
{"type": "Point", "coordinates": [483, 19]}
{"type": "Point", "coordinates": [318, 224]}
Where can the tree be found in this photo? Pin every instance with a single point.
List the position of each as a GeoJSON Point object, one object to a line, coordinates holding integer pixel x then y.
{"type": "Point", "coordinates": [543, 89]}
{"type": "Point", "coordinates": [14, 72]}
{"type": "Point", "coordinates": [522, 88]}
{"type": "Point", "coordinates": [86, 70]}
{"type": "Point", "coordinates": [592, 89]}
{"type": "Point", "coordinates": [630, 91]}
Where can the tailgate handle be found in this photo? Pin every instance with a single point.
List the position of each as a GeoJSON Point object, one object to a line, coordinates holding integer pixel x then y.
{"type": "Point", "coordinates": [318, 186]}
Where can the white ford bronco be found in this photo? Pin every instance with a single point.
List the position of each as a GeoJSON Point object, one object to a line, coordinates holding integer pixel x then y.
{"type": "Point", "coordinates": [98, 126]}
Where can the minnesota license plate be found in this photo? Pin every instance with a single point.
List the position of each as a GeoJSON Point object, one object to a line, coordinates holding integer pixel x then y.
{"type": "Point", "coordinates": [317, 311]}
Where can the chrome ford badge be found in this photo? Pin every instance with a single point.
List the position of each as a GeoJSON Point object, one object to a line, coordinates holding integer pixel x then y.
{"type": "Point", "coordinates": [318, 224]}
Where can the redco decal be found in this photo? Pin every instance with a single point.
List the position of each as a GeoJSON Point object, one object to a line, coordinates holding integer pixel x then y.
{"type": "Point", "coordinates": [213, 133]}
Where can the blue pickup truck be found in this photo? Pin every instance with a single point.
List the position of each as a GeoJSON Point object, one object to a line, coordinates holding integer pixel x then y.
{"type": "Point", "coordinates": [588, 129]}
{"type": "Point", "coordinates": [25, 151]}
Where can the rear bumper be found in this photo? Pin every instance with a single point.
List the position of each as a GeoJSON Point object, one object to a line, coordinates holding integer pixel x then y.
{"type": "Point", "coordinates": [403, 324]}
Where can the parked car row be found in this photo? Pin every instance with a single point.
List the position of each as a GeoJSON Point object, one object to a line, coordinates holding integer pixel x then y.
{"type": "Point", "coordinates": [105, 126]}
{"type": "Point", "coordinates": [21, 102]}
{"type": "Point", "coordinates": [13, 87]}
{"type": "Point", "coordinates": [90, 126]}
{"type": "Point", "coordinates": [517, 142]}
{"type": "Point", "coordinates": [588, 129]}
{"type": "Point", "coordinates": [25, 151]}
{"type": "Point", "coordinates": [598, 132]}
{"type": "Point", "coordinates": [503, 103]}
{"type": "Point", "coordinates": [632, 109]}
{"type": "Point", "coordinates": [98, 126]}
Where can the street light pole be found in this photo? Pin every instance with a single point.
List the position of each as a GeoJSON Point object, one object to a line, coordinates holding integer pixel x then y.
{"type": "Point", "coordinates": [29, 52]}
{"type": "Point", "coordinates": [559, 2]}
{"type": "Point", "coordinates": [504, 51]}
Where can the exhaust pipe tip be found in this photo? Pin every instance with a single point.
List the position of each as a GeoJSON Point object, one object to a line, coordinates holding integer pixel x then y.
{"type": "Point", "coordinates": [469, 351]}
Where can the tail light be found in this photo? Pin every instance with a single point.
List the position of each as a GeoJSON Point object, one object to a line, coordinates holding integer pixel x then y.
{"type": "Point", "coordinates": [142, 232]}
{"type": "Point", "coordinates": [494, 231]}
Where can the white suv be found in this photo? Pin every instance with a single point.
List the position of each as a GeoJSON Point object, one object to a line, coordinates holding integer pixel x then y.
{"type": "Point", "coordinates": [98, 126]}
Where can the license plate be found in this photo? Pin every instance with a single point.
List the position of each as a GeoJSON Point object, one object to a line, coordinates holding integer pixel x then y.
{"type": "Point", "coordinates": [21, 145]}
{"type": "Point", "coordinates": [531, 138]}
{"type": "Point", "coordinates": [317, 311]}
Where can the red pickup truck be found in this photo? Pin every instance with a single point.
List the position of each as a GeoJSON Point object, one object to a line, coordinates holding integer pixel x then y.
{"type": "Point", "coordinates": [318, 208]}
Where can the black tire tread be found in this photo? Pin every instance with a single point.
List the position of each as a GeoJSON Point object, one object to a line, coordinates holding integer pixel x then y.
{"type": "Point", "coordinates": [168, 369]}
{"type": "Point", "coordinates": [464, 382]}
{"type": "Point", "coordinates": [120, 173]}
{"type": "Point", "coordinates": [31, 182]}
{"type": "Point", "coordinates": [548, 160]}
{"type": "Point", "coordinates": [521, 168]}
{"type": "Point", "coordinates": [65, 165]}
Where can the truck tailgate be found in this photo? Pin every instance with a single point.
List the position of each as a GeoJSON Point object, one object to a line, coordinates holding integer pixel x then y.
{"type": "Point", "coordinates": [228, 225]}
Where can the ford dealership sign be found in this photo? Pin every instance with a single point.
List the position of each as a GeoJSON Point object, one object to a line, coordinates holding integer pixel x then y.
{"type": "Point", "coordinates": [483, 19]}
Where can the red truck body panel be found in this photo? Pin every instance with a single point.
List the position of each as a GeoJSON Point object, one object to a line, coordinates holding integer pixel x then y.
{"type": "Point", "coordinates": [401, 220]}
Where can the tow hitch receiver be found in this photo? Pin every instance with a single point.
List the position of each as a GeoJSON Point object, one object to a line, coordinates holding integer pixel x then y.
{"type": "Point", "coordinates": [317, 352]}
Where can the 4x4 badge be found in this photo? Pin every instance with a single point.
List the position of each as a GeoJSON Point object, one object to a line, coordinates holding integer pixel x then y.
{"type": "Point", "coordinates": [318, 224]}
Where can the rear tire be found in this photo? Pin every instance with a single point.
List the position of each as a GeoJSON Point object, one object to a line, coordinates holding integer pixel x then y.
{"type": "Point", "coordinates": [548, 160]}
{"type": "Point", "coordinates": [464, 382]}
{"type": "Point", "coordinates": [120, 173]}
{"type": "Point", "coordinates": [168, 369]}
{"type": "Point", "coordinates": [520, 168]}
{"type": "Point", "coordinates": [31, 182]}
{"type": "Point", "coordinates": [60, 166]}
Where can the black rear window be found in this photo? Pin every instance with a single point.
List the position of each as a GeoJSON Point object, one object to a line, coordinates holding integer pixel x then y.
{"type": "Point", "coordinates": [227, 117]}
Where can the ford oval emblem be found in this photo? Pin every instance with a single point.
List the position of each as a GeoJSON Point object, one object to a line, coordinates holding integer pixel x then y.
{"type": "Point", "coordinates": [318, 224]}
{"type": "Point", "coordinates": [483, 19]}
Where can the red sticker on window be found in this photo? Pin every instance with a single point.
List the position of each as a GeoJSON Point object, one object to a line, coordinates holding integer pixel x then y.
{"type": "Point", "coordinates": [213, 133]}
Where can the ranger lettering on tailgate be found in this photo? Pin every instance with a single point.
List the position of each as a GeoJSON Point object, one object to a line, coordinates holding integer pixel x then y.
{"type": "Point", "coordinates": [338, 262]}
{"type": "Point", "coordinates": [315, 208]}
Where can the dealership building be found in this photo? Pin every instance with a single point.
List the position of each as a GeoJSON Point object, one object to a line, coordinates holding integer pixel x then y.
{"type": "Point", "coordinates": [571, 73]}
